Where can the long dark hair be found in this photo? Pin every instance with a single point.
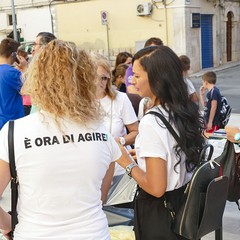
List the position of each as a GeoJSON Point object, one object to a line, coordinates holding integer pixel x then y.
{"type": "Point", "coordinates": [166, 81]}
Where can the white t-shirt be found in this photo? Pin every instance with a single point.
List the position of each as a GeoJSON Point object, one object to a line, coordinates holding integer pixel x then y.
{"type": "Point", "coordinates": [190, 87]}
{"type": "Point", "coordinates": [119, 112]}
{"type": "Point", "coordinates": [60, 178]}
{"type": "Point", "coordinates": [156, 141]}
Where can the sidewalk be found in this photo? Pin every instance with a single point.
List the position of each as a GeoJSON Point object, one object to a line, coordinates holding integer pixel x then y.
{"type": "Point", "coordinates": [215, 69]}
{"type": "Point", "coordinates": [231, 216]}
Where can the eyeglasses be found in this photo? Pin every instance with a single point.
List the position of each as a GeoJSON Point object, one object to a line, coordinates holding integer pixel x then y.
{"type": "Point", "coordinates": [35, 44]}
{"type": "Point", "coordinates": [103, 78]}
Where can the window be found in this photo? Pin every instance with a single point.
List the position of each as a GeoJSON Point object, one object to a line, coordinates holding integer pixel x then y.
{"type": "Point", "coordinates": [10, 19]}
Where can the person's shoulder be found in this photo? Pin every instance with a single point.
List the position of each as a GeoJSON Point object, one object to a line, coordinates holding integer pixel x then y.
{"type": "Point", "coordinates": [121, 95]}
{"type": "Point", "coordinates": [150, 116]}
{"type": "Point", "coordinates": [10, 70]}
{"type": "Point", "coordinates": [216, 90]}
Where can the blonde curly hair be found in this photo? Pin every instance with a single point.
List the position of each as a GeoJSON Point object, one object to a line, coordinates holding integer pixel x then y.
{"type": "Point", "coordinates": [61, 80]}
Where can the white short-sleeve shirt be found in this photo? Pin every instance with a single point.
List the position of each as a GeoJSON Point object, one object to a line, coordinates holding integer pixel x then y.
{"type": "Point", "coordinates": [60, 175]}
{"type": "Point", "coordinates": [118, 113]}
{"type": "Point", "coordinates": [190, 87]}
{"type": "Point", "coordinates": [155, 140]}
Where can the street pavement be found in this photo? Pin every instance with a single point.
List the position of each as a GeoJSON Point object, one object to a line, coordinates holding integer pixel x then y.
{"type": "Point", "coordinates": [231, 216]}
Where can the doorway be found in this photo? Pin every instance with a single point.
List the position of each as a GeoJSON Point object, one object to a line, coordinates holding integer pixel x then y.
{"type": "Point", "coordinates": [229, 36]}
{"type": "Point", "coordinates": [207, 40]}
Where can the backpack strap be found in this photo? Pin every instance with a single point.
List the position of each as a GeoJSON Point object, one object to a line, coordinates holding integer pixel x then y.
{"type": "Point", "coordinates": [169, 127]}
{"type": "Point", "coordinates": [14, 179]}
{"type": "Point", "coordinates": [177, 138]}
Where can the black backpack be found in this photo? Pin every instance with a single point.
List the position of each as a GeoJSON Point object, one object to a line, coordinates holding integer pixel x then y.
{"type": "Point", "coordinates": [225, 112]}
{"type": "Point", "coordinates": [230, 161]}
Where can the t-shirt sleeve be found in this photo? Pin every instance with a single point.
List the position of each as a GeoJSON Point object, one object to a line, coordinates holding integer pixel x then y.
{"type": "Point", "coordinates": [214, 95]}
{"type": "Point", "coordinates": [150, 142]}
{"type": "Point", "coordinates": [128, 113]}
{"type": "Point", "coordinates": [14, 80]}
{"type": "Point", "coordinates": [4, 143]}
{"type": "Point", "coordinates": [191, 88]}
{"type": "Point", "coordinates": [115, 150]}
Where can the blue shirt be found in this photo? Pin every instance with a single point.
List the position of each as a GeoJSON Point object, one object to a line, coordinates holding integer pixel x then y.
{"type": "Point", "coordinates": [11, 105]}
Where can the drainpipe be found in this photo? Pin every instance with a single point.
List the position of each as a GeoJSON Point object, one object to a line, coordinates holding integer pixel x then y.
{"type": "Point", "coordinates": [221, 12]}
{"type": "Point", "coordinates": [166, 19]}
{"type": "Point", "coordinates": [51, 14]}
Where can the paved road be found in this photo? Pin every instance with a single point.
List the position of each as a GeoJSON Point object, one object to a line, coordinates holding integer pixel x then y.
{"type": "Point", "coordinates": [228, 81]}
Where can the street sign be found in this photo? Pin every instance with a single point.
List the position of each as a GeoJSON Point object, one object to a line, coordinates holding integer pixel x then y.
{"type": "Point", "coordinates": [104, 17]}
{"type": "Point", "coordinates": [196, 20]}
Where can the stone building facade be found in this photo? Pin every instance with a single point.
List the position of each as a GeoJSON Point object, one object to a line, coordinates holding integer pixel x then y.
{"type": "Point", "coordinates": [208, 31]}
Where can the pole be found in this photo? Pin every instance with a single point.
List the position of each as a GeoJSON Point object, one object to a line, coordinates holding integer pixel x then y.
{"type": "Point", "coordinates": [14, 22]}
{"type": "Point", "coordinates": [108, 47]}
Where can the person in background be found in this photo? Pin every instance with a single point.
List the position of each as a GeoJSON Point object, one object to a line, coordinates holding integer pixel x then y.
{"type": "Point", "coordinates": [123, 57]}
{"type": "Point", "coordinates": [64, 154]}
{"type": "Point", "coordinates": [163, 168]}
{"type": "Point", "coordinates": [233, 134]}
{"type": "Point", "coordinates": [26, 99]}
{"type": "Point", "coordinates": [120, 117]}
{"type": "Point", "coordinates": [185, 61]}
{"type": "Point", "coordinates": [119, 76]}
{"type": "Point", "coordinates": [11, 105]}
{"type": "Point", "coordinates": [213, 104]}
{"type": "Point", "coordinates": [42, 39]}
{"type": "Point", "coordinates": [153, 41]}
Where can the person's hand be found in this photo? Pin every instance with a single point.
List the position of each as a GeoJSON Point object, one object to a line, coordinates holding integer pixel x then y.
{"type": "Point", "coordinates": [5, 233]}
{"type": "Point", "coordinates": [209, 125]}
{"type": "Point", "coordinates": [133, 154]}
{"type": "Point", "coordinates": [230, 132]}
{"type": "Point", "coordinates": [202, 90]}
{"type": "Point", "coordinates": [7, 230]}
{"type": "Point", "coordinates": [126, 157]}
{"type": "Point", "coordinates": [23, 63]}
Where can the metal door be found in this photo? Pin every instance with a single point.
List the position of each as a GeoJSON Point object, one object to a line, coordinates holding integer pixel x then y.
{"type": "Point", "coordinates": [206, 40]}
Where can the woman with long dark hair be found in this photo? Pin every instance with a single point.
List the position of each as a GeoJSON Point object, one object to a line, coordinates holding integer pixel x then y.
{"type": "Point", "coordinates": [163, 168]}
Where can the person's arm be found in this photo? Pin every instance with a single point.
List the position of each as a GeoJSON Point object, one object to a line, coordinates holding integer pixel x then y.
{"type": "Point", "coordinates": [154, 180]}
{"type": "Point", "coordinates": [106, 183]}
{"type": "Point", "coordinates": [194, 98]}
{"type": "Point", "coordinates": [201, 96]}
{"type": "Point", "coordinates": [133, 132]}
{"type": "Point", "coordinates": [5, 218]}
{"type": "Point", "coordinates": [212, 114]}
{"type": "Point", "coordinates": [231, 132]}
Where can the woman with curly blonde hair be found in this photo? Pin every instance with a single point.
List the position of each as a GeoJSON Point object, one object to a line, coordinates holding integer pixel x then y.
{"type": "Point", "coordinates": [64, 155]}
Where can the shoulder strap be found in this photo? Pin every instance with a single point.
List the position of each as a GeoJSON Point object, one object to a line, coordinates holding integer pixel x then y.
{"type": "Point", "coordinates": [11, 150]}
{"type": "Point", "coordinates": [14, 180]}
{"type": "Point", "coordinates": [177, 138]}
{"type": "Point", "coordinates": [169, 127]}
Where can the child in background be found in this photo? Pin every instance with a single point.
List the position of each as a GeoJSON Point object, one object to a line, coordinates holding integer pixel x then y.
{"type": "Point", "coordinates": [185, 61]}
{"type": "Point", "coordinates": [213, 104]}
